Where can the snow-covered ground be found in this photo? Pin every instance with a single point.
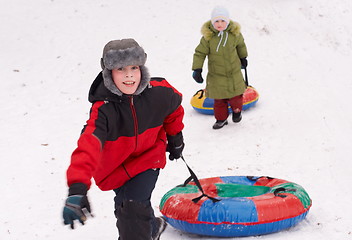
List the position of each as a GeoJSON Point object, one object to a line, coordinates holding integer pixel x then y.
{"type": "Point", "coordinates": [300, 130]}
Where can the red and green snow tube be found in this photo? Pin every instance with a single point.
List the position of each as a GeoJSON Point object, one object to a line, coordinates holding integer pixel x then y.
{"type": "Point", "coordinates": [248, 206]}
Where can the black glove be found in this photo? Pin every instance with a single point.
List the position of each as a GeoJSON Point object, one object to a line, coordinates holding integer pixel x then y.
{"type": "Point", "coordinates": [77, 201]}
{"type": "Point", "coordinates": [197, 75]}
{"type": "Point", "coordinates": [175, 146]}
{"type": "Point", "coordinates": [244, 62]}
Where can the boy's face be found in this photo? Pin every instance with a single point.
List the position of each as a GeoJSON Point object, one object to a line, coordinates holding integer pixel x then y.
{"type": "Point", "coordinates": [220, 25]}
{"type": "Point", "coordinates": [127, 78]}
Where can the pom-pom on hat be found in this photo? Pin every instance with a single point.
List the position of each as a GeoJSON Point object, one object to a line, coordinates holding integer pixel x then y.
{"type": "Point", "coordinates": [220, 13]}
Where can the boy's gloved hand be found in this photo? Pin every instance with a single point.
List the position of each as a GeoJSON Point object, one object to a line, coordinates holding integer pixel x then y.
{"type": "Point", "coordinates": [197, 75]}
{"type": "Point", "coordinates": [244, 62]}
{"type": "Point", "coordinates": [75, 203]}
{"type": "Point", "coordinates": [175, 146]}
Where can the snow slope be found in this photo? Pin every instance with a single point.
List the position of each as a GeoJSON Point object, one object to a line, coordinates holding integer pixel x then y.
{"type": "Point", "coordinates": [300, 130]}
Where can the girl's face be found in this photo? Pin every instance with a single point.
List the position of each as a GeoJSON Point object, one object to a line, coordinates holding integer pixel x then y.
{"type": "Point", "coordinates": [127, 78]}
{"type": "Point", "coordinates": [220, 25]}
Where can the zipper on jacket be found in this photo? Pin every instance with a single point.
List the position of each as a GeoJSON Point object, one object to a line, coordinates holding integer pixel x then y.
{"type": "Point", "coordinates": [135, 120]}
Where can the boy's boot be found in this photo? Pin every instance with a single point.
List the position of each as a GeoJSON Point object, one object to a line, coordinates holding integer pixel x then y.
{"type": "Point", "coordinates": [160, 225]}
{"type": "Point", "coordinates": [219, 124]}
{"type": "Point", "coordinates": [236, 117]}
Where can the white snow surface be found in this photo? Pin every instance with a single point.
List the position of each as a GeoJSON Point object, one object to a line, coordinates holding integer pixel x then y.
{"type": "Point", "coordinates": [300, 130]}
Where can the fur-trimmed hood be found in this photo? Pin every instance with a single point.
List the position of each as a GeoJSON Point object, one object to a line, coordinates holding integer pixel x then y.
{"type": "Point", "coordinates": [208, 31]}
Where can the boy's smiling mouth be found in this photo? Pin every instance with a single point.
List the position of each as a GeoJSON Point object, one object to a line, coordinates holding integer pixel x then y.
{"type": "Point", "coordinates": [129, 83]}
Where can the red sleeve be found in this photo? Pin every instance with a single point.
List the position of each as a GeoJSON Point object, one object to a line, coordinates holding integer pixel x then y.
{"type": "Point", "coordinates": [85, 157]}
{"type": "Point", "coordinates": [173, 123]}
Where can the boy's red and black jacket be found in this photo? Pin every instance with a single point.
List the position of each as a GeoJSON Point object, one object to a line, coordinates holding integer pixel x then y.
{"type": "Point", "coordinates": [125, 135]}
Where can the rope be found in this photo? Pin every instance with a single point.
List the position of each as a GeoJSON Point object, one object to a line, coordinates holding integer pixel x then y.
{"type": "Point", "coordinates": [196, 181]}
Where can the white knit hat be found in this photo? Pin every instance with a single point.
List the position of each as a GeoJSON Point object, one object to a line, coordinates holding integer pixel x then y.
{"type": "Point", "coordinates": [220, 13]}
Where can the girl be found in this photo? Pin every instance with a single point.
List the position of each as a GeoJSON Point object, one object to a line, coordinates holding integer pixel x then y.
{"type": "Point", "coordinates": [224, 45]}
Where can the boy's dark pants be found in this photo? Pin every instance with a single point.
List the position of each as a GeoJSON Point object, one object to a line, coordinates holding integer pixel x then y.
{"type": "Point", "coordinates": [221, 111]}
{"type": "Point", "coordinates": [133, 210]}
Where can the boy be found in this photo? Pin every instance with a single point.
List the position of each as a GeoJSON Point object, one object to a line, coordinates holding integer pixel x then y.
{"type": "Point", "coordinates": [133, 121]}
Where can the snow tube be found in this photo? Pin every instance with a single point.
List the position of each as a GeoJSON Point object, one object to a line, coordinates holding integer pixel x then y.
{"type": "Point", "coordinates": [205, 105]}
{"type": "Point", "coordinates": [248, 206]}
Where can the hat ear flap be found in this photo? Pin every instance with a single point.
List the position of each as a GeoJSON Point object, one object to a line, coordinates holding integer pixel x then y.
{"type": "Point", "coordinates": [102, 63]}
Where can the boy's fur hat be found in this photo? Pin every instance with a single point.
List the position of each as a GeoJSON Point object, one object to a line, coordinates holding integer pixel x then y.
{"type": "Point", "coordinates": [121, 53]}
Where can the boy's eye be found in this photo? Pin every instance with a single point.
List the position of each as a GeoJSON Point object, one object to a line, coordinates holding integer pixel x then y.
{"type": "Point", "coordinates": [135, 67]}
{"type": "Point", "coordinates": [119, 69]}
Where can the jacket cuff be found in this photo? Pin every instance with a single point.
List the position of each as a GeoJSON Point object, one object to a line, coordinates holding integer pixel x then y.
{"type": "Point", "coordinates": [78, 189]}
{"type": "Point", "coordinates": [176, 140]}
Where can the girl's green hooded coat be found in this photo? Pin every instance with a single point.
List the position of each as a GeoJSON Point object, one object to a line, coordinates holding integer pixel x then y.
{"type": "Point", "coordinates": [224, 79]}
